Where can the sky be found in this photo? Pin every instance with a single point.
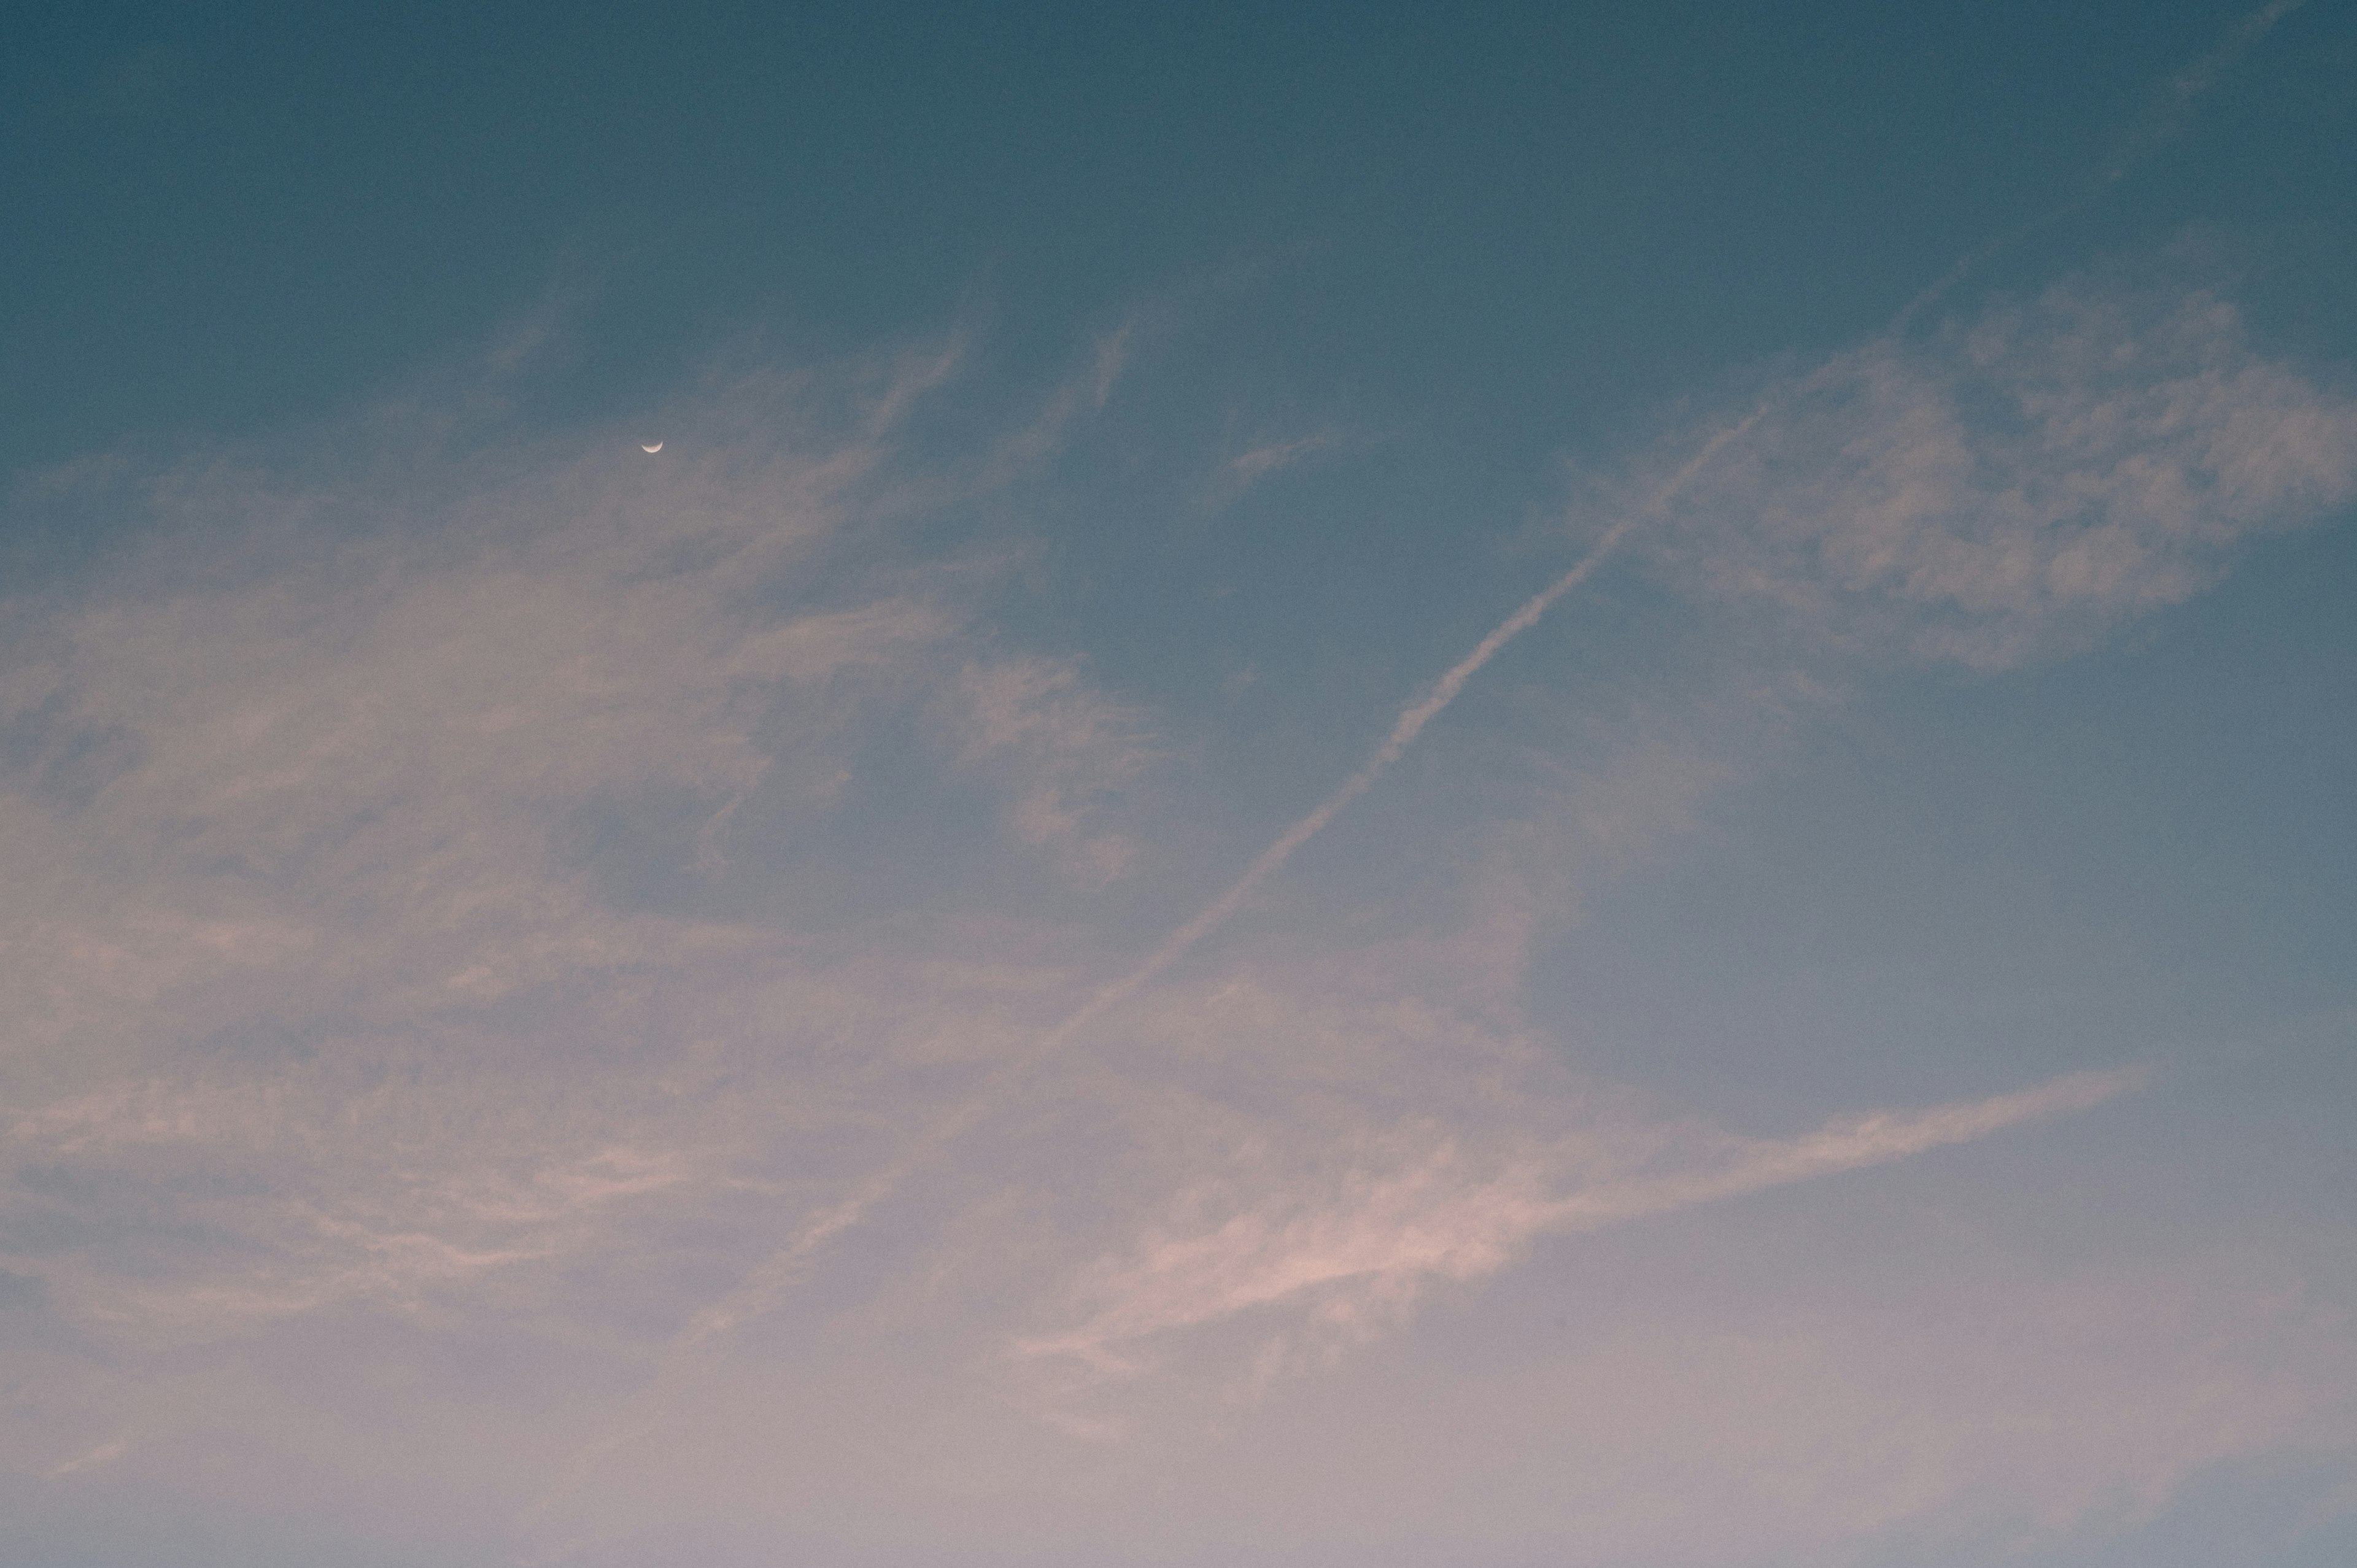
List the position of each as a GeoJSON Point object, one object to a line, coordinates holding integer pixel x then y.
{"type": "Point", "coordinates": [1378, 784]}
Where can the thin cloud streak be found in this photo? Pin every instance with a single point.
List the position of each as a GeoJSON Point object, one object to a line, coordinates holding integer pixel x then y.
{"type": "Point", "coordinates": [1847, 1144]}
{"type": "Point", "coordinates": [1367, 1249]}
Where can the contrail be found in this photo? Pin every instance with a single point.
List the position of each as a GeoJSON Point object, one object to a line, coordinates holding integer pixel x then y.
{"type": "Point", "coordinates": [762, 1288]}
{"type": "Point", "coordinates": [767, 1284]}
{"type": "Point", "coordinates": [1403, 735]}
{"type": "Point", "coordinates": [1404, 731]}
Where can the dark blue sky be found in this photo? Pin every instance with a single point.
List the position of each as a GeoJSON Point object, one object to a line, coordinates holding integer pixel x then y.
{"type": "Point", "coordinates": [1508, 226]}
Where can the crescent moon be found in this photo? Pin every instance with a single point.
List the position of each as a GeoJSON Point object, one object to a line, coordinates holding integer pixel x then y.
{"type": "Point", "coordinates": [656, 447]}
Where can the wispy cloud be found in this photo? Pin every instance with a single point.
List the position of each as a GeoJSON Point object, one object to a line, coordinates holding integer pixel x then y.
{"type": "Point", "coordinates": [2135, 436]}
{"type": "Point", "coordinates": [1250, 467]}
{"type": "Point", "coordinates": [105, 1453]}
{"type": "Point", "coordinates": [2008, 486]}
{"type": "Point", "coordinates": [314, 798]}
{"type": "Point", "coordinates": [1083, 391]}
{"type": "Point", "coordinates": [1263, 458]}
{"type": "Point", "coordinates": [1072, 749]}
{"type": "Point", "coordinates": [2007, 489]}
{"type": "Point", "coordinates": [1353, 1248]}
{"type": "Point", "coordinates": [423, 913]}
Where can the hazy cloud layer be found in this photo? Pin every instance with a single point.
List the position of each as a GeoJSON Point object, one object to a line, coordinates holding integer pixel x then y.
{"type": "Point", "coordinates": [427, 954]}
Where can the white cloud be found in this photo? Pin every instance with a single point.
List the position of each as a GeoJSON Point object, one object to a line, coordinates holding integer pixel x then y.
{"type": "Point", "coordinates": [1353, 1246]}
{"type": "Point", "coordinates": [2007, 488]}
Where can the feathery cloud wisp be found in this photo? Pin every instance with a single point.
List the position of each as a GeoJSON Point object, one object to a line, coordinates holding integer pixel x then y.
{"type": "Point", "coordinates": [1358, 1247]}
{"type": "Point", "coordinates": [2007, 488]}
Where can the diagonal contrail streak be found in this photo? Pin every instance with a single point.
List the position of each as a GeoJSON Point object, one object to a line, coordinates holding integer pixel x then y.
{"type": "Point", "coordinates": [767, 1284]}
{"type": "Point", "coordinates": [762, 1289]}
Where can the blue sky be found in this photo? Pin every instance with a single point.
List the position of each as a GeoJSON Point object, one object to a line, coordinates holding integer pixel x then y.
{"type": "Point", "coordinates": [1360, 786]}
